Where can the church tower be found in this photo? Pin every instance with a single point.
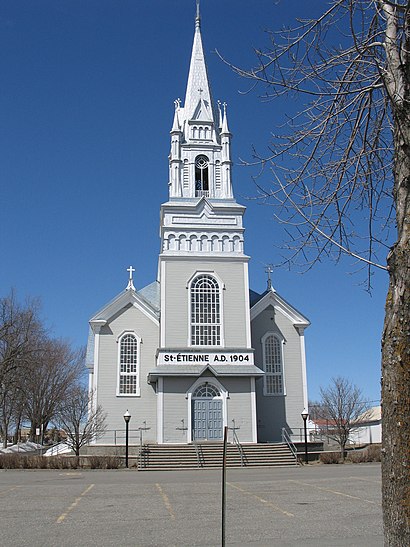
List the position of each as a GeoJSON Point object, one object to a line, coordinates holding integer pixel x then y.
{"type": "Point", "coordinates": [203, 271]}
{"type": "Point", "coordinates": [196, 350]}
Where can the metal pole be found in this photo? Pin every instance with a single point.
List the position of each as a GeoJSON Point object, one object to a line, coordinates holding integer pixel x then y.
{"type": "Point", "coordinates": [306, 445]}
{"type": "Point", "coordinates": [224, 485]}
{"type": "Point", "coordinates": [126, 444]}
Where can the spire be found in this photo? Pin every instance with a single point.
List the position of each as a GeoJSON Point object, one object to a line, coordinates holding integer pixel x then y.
{"type": "Point", "coordinates": [175, 126]}
{"type": "Point", "coordinates": [130, 285]}
{"type": "Point", "coordinates": [198, 17]}
{"type": "Point", "coordinates": [198, 98]}
{"type": "Point", "coordinates": [224, 128]}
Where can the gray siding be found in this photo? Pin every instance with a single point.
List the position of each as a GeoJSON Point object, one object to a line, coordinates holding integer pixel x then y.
{"type": "Point", "coordinates": [143, 407]}
{"type": "Point", "coordinates": [174, 286]}
{"type": "Point", "coordinates": [275, 412]}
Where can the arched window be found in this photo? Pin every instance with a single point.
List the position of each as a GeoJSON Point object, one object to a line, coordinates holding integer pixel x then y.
{"type": "Point", "coordinates": [206, 390]}
{"type": "Point", "coordinates": [201, 176]}
{"type": "Point", "coordinates": [128, 365]}
{"type": "Point", "coordinates": [273, 366]}
{"type": "Point", "coordinates": [205, 311]}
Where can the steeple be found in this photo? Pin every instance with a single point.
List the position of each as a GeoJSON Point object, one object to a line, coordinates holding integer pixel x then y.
{"type": "Point", "coordinates": [198, 99]}
{"type": "Point", "coordinates": [200, 159]}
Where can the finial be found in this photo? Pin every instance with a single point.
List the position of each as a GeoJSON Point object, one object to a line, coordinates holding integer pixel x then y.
{"type": "Point", "coordinates": [269, 270]}
{"type": "Point", "coordinates": [177, 104]}
{"type": "Point", "coordinates": [130, 285]}
{"type": "Point", "coordinates": [198, 17]}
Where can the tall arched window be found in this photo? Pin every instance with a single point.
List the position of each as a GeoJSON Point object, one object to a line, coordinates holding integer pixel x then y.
{"type": "Point", "coordinates": [273, 365]}
{"type": "Point", "coordinates": [128, 365]}
{"type": "Point", "coordinates": [205, 311]}
{"type": "Point", "coordinates": [201, 176]}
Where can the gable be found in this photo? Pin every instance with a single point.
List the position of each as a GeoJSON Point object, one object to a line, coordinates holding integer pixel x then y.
{"type": "Point", "coordinates": [272, 299]}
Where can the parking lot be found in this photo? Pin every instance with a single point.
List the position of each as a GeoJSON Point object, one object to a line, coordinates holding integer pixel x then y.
{"type": "Point", "coordinates": [319, 505]}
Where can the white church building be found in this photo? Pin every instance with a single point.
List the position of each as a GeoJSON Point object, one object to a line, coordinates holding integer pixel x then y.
{"type": "Point", "coordinates": [197, 350]}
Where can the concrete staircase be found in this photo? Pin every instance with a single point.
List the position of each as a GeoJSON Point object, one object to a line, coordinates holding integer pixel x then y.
{"type": "Point", "coordinates": [209, 455]}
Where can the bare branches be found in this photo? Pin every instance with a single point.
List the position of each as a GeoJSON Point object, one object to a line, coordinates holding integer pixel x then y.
{"type": "Point", "coordinates": [343, 408]}
{"type": "Point", "coordinates": [82, 421]}
{"type": "Point", "coordinates": [331, 162]}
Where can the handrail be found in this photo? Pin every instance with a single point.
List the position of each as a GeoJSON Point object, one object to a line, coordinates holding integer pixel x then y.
{"type": "Point", "coordinates": [239, 447]}
{"type": "Point", "coordinates": [198, 452]}
{"type": "Point", "coordinates": [287, 440]}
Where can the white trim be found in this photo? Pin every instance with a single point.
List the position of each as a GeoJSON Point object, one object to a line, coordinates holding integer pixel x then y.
{"type": "Point", "coordinates": [163, 283]}
{"type": "Point", "coordinates": [253, 411]}
{"type": "Point", "coordinates": [224, 397]}
{"type": "Point", "coordinates": [96, 364]}
{"type": "Point", "coordinates": [280, 305]}
{"type": "Point", "coordinates": [138, 373]}
{"type": "Point", "coordinates": [247, 305]}
{"type": "Point", "coordinates": [281, 341]}
{"type": "Point", "coordinates": [119, 302]}
{"type": "Point", "coordinates": [303, 362]}
{"type": "Point", "coordinates": [160, 411]}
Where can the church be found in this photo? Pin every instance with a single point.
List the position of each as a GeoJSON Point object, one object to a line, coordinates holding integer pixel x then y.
{"type": "Point", "coordinates": [197, 349]}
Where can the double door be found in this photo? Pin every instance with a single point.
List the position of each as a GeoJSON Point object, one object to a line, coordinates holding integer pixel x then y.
{"type": "Point", "coordinates": [207, 420]}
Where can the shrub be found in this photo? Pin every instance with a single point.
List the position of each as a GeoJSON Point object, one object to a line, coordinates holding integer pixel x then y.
{"type": "Point", "coordinates": [104, 462]}
{"type": "Point", "coordinates": [370, 454]}
{"type": "Point", "coordinates": [330, 457]}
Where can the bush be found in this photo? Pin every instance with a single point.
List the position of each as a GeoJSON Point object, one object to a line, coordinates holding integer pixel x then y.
{"type": "Point", "coordinates": [104, 462]}
{"type": "Point", "coordinates": [370, 454]}
{"type": "Point", "coordinates": [330, 457]}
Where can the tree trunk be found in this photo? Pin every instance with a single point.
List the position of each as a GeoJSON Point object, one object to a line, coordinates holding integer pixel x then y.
{"type": "Point", "coordinates": [396, 361]}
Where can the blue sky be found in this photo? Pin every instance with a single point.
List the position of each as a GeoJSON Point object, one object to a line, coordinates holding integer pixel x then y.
{"type": "Point", "coordinates": [86, 104]}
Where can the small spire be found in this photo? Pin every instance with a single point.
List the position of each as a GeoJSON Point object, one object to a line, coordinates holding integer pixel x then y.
{"type": "Point", "coordinates": [220, 114]}
{"type": "Point", "coordinates": [269, 271]}
{"type": "Point", "coordinates": [198, 17]}
{"type": "Point", "coordinates": [176, 125]}
{"type": "Point", "coordinates": [224, 128]}
{"type": "Point", "coordinates": [130, 285]}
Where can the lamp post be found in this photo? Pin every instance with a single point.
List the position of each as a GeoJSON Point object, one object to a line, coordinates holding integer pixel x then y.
{"type": "Point", "coordinates": [305, 415]}
{"type": "Point", "coordinates": [127, 418]}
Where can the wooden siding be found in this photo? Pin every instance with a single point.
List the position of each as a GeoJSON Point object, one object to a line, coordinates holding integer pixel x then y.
{"type": "Point", "coordinates": [235, 314]}
{"type": "Point", "coordinates": [275, 412]}
{"type": "Point", "coordinates": [142, 407]}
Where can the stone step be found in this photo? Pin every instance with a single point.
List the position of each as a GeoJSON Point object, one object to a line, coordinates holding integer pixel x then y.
{"type": "Point", "coordinates": [211, 454]}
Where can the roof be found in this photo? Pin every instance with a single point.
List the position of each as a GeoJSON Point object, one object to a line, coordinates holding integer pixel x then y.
{"type": "Point", "coordinates": [198, 370]}
{"type": "Point", "coordinates": [259, 302]}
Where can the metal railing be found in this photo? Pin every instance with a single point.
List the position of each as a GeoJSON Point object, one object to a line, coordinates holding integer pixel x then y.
{"type": "Point", "coordinates": [199, 454]}
{"type": "Point", "coordinates": [239, 447]}
{"type": "Point", "coordinates": [287, 440]}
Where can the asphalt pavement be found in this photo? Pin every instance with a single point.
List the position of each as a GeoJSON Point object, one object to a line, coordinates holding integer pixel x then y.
{"type": "Point", "coordinates": [315, 505]}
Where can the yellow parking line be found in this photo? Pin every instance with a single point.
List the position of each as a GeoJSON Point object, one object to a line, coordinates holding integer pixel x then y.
{"type": "Point", "coordinates": [262, 500]}
{"type": "Point", "coordinates": [166, 501]}
{"type": "Point", "coordinates": [333, 491]}
{"type": "Point", "coordinates": [10, 489]}
{"type": "Point", "coordinates": [62, 517]}
{"type": "Point", "coordinates": [366, 480]}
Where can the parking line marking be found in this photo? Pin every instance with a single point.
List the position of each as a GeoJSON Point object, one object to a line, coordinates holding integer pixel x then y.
{"type": "Point", "coordinates": [366, 480]}
{"type": "Point", "coordinates": [262, 500]}
{"type": "Point", "coordinates": [62, 517]}
{"type": "Point", "coordinates": [166, 501]}
{"type": "Point", "coordinates": [334, 491]}
{"type": "Point", "coordinates": [10, 489]}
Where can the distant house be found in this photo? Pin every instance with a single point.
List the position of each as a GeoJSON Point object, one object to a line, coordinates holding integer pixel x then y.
{"type": "Point", "coordinates": [370, 429]}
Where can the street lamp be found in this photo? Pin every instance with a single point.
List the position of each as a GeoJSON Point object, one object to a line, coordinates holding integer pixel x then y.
{"type": "Point", "coordinates": [127, 418]}
{"type": "Point", "coordinates": [305, 415]}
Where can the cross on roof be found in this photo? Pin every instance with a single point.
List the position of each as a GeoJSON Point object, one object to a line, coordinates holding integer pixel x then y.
{"type": "Point", "coordinates": [130, 285]}
{"type": "Point", "coordinates": [269, 270]}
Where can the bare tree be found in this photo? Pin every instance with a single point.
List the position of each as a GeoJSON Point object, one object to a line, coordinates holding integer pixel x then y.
{"type": "Point", "coordinates": [52, 372]}
{"type": "Point", "coordinates": [82, 421]}
{"type": "Point", "coordinates": [20, 329]}
{"type": "Point", "coordinates": [340, 171]}
{"type": "Point", "coordinates": [344, 409]}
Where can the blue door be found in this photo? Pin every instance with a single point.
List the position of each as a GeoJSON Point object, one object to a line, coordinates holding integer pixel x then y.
{"type": "Point", "coordinates": [207, 420]}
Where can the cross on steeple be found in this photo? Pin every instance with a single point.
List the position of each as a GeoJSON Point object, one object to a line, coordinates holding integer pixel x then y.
{"type": "Point", "coordinates": [269, 271]}
{"type": "Point", "coordinates": [130, 285]}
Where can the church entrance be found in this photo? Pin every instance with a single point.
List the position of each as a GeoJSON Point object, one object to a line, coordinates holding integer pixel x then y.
{"type": "Point", "coordinates": [207, 416]}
